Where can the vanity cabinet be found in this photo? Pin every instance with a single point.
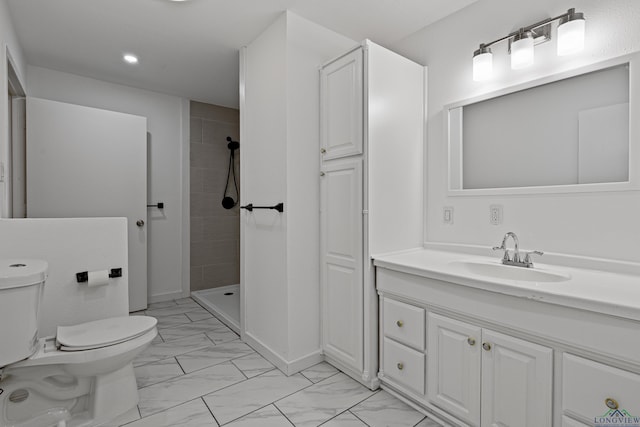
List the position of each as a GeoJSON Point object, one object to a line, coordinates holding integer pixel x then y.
{"type": "Point", "coordinates": [371, 160]}
{"type": "Point", "coordinates": [479, 374]}
{"type": "Point", "coordinates": [483, 358]}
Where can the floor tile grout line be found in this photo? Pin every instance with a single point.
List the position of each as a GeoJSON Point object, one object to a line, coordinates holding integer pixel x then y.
{"type": "Point", "coordinates": [210, 411]}
{"type": "Point", "coordinates": [273, 402]}
{"type": "Point", "coordinates": [423, 418]}
{"type": "Point", "coordinates": [178, 362]}
{"type": "Point", "coordinates": [284, 415]}
{"type": "Point", "coordinates": [166, 409]}
{"type": "Point", "coordinates": [197, 370]}
{"type": "Point", "coordinates": [326, 378]}
{"type": "Point", "coordinates": [356, 415]}
{"type": "Point", "coordinates": [198, 397]}
{"type": "Point", "coordinates": [215, 364]}
{"type": "Point", "coordinates": [312, 384]}
{"type": "Point", "coordinates": [205, 367]}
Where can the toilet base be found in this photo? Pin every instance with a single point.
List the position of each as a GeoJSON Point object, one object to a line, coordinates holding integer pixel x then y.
{"type": "Point", "coordinates": [39, 401]}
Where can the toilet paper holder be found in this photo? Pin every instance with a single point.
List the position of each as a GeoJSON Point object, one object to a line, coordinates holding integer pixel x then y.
{"type": "Point", "coordinates": [83, 276]}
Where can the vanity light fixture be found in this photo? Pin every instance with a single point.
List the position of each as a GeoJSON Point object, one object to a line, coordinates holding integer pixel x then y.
{"type": "Point", "coordinates": [522, 50]}
{"type": "Point", "coordinates": [571, 33]}
{"type": "Point", "coordinates": [521, 42]}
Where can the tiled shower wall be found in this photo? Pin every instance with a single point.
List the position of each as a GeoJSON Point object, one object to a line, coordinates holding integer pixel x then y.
{"type": "Point", "coordinates": [215, 231]}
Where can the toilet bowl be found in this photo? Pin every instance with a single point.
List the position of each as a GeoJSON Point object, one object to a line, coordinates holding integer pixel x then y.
{"type": "Point", "coordinates": [81, 377]}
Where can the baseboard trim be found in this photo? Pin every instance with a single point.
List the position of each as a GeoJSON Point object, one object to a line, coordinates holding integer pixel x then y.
{"type": "Point", "coordinates": [166, 297]}
{"type": "Point", "coordinates": [372, 383]}
{"type": "Point", "coordinates": [287, 367]}
{"type": "Point", "coordinates": [434, 413]}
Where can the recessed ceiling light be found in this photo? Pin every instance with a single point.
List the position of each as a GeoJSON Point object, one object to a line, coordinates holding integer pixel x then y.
{"type": "Point", "coordinates": [130, 58]}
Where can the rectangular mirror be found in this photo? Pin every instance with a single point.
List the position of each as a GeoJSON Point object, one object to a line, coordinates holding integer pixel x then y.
{"type": "Point", "coordinates": [564, 133]}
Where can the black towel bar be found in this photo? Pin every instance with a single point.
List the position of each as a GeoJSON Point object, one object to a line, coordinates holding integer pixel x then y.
{"type": "Point", "coordinates": [279, 207]}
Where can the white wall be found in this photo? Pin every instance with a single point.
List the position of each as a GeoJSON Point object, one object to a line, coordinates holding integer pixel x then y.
{"type": "Point", "coordinates": [263, 182]}
{"type": "Point", "coordinates": [598, 224]}
{"type": "Point", "coordinates": [70, 246]}
{"type": "Point", "coordinates": [280, 162]}
{"type": "Point", "coordinates": [8, 47]}
{"type": "Point", "coordinates": [166, 159]}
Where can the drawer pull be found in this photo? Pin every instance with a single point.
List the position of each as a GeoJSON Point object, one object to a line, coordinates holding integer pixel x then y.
{"type": "Point", "coordinates": [486, 346]}
{"type": "Point", "coordinates": [400, 323]}
{"type": "Point", "coordinates": [611, 403]}
{"type": "Point", "coordinates": [322, 150]}
{"type": "Point", "coordinates": [471, 341]}
{"type": "Point", "coordinates": [400, 366]}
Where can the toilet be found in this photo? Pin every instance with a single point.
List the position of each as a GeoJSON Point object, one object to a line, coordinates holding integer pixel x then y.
{"type": "Point", "coordinates": [81, 377]}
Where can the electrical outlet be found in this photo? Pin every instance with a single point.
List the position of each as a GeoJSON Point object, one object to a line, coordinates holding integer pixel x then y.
{"type": "Point", "coordinates": [495, 214]}
{"type": "Point", "coordinates": [447, 215]}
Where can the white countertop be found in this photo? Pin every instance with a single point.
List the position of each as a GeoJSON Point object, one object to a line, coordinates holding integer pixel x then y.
{"type": "Point", "coordinates": [604, 292]}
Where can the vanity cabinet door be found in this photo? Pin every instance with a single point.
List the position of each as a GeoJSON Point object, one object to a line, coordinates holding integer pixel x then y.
{"type": "Point", "coordinates": [341, 107]}
{"type": "Point", "coordinates": [516, 382]}
{"type": "Point", "coordinates": [453, 367]}
{"type": "Point", "coordinates": [341, 274]}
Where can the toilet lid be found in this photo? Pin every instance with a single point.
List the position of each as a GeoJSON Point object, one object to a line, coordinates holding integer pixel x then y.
{"type": "Point", "coordinates": [102, 333]}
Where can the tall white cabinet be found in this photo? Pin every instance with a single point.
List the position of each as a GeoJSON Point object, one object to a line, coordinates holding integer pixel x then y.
{"type": "Point", "coordinates": [372, 119]}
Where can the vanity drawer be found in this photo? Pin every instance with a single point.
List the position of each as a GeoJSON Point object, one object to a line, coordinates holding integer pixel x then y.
{"type": "Point", "coordinates": [587, 385]}
{"type": "Point", "coordinates": [404, 322]}
{"type": "Point", "coordinates": [404, 365]}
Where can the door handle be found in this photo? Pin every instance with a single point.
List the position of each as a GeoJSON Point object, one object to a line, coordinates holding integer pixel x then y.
{"type": "Point", "coordinates": [140, 223]}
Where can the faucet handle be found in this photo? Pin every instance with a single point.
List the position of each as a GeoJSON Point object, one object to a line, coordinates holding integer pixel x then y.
{"type": "Point", "coordinates": [527, 255]}
{"type": "Point", "coordinates": [505, 257]}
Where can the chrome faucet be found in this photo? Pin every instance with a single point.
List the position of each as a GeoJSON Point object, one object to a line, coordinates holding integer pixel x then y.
{"type": "Point", "coordinates": [516, 259]}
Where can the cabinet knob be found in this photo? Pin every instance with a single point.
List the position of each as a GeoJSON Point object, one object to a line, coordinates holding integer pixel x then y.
{"type": "Point", "coordinates": [400, 323]}
{"type": "Point", "coordinates": [611, 403]}
{"type": "Point", "coordinates": [400, 366]}
{"type": "Point", "coordinates": [486, 346]}
{"type": "Point", "coordinates": [140, 223]}
{"type": "Point", "coordinates": [471, 341]}
{"type": "Point", "coordinates": [321, 173]}
{"type": "Point", "coordinates": [322, 150]}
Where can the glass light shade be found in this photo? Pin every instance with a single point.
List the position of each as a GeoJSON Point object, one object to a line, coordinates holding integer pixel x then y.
{"type": "Point", "coordinates": [522, 52]}
{"type": "Point", "coordinates": [482, 66]}
{"type": "Point", "coordinates": [571, 37]}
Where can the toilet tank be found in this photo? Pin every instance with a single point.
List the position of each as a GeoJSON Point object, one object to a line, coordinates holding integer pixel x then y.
{"type": "Point", "coordinates": [21, 286]}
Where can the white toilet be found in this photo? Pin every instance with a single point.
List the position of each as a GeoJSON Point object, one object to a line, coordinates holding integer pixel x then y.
{"type": "Point", "coordinates": [81, 377]}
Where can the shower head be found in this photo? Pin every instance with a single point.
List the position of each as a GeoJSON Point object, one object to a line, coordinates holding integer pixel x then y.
{"type": "Point", "coordinates": [232, 145]}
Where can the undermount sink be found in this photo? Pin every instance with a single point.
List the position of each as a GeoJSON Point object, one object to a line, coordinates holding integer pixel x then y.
{"type": "Point", "coordinates": [497, 270]}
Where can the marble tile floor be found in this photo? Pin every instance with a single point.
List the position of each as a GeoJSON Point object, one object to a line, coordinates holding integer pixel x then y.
{"type": "Point", "coordinates": [198, 372]}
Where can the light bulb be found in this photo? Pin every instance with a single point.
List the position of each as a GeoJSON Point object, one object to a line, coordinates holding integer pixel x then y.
{"type": "Point", "coordinates": [522, 50]}
{"type": "Point", "coordinates": [571, 33]}
{"type": "Point", "coordinates": [482, 64]}
{"type": "Point", "coordinates": [130, 59]}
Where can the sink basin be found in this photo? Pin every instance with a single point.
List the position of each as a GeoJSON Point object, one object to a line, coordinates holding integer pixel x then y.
{"type": "Point", "coordinates": [498, 270]}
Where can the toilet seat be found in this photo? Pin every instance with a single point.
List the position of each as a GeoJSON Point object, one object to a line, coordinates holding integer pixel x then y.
{"type": "Point", "coordinates": [103, 333]}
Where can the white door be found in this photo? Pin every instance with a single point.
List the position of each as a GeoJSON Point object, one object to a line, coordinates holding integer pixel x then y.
{"type": "Point", "coordinates": [87, 162]}
{"type": "Point", "coordinates": [341, 267]}
{"type": "Point", "coordinates": [516, 382]}
{"type": "Point", "coordinates": [341, 106]}
{"type": "Point", "coordinates": [453, 367]}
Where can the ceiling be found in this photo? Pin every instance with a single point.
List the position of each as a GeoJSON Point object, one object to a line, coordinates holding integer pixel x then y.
{"type": "Point", "coordinates": [190, 48]}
